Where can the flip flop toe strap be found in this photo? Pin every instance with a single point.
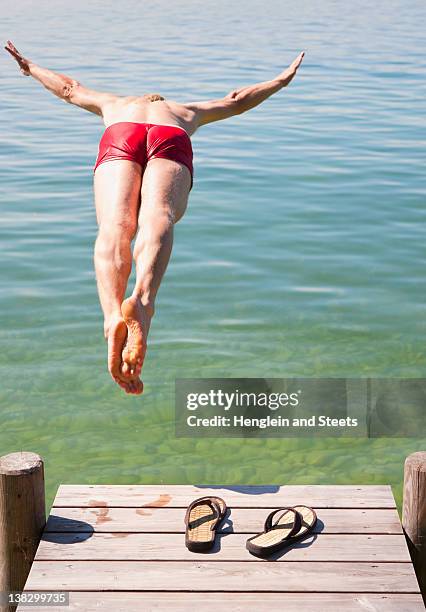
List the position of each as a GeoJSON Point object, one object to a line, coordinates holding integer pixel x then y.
{"type": "Point", "coordinates": [297, 520]}
{"type": "Point", "coordinates": [216, 500]}
{"type": "Point", "coordinates": [203, 501]}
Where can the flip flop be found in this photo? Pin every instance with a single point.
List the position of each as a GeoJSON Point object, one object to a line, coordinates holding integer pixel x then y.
{"type": "Point", "coordinates": [202, 518]}
{"type": "Point", "coordinates": [309, 519]}
{"type": "Point", "coordinates": [275, 535]}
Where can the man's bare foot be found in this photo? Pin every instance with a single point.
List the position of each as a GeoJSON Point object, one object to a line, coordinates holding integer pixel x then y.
{"type": "Point", "coordinates": [137, 322]}
{"type": "Point", "coordinates": [117, 334]}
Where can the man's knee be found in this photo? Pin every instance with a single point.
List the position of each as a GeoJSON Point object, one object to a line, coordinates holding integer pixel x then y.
{"type": "Point", "coordinates": [155, 232]}
{"type": "Point", "coordinates": [114, 243]}
{"type": "Point", "coordinates": [118, 229]}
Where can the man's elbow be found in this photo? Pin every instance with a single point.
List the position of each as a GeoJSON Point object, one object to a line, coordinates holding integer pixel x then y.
{"type": "Point", "coordinates": [235, 103]}
{"type": "Point", "coordinates": [69, 90]}
{"type": "Point", "coordinates": [240, 106]}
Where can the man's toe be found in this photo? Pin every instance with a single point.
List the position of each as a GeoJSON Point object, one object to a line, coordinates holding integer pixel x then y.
{"type": "Point", "coordinates": [138, 386]}
{"type": "Point", "coordinates": [125, 368]}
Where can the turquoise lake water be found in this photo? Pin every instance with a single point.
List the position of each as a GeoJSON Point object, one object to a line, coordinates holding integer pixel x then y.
{"type": "Point", "coordinates": [302, 252]}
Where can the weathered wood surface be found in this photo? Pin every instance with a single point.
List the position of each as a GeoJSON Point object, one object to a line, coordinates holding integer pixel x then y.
{"type": "Point", "coordinates": [244, 520]}
{"type": "Point", "coordinates": [122, 548]}
{"type": "Point", "coordinates": [223, 576]}
{"type": "Point", "coordinates": [271, 496]}
{"type": "Point", "coordinates": [229, 547]}
{"type": "Point", "coordinates": [238, 602]}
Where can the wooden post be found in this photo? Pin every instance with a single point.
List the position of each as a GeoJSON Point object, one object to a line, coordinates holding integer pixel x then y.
{"type": "Point", "coordinates": [414, 513]}
{"type": "Point", "coordinates": [22, 518]}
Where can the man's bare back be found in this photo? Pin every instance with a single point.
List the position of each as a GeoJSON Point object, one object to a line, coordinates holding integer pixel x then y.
{"type": "Point", "coordinates": [150, 108]}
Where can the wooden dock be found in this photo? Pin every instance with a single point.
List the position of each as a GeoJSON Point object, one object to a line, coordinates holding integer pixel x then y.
{"type": "Point", "coordinates": [121, 548]}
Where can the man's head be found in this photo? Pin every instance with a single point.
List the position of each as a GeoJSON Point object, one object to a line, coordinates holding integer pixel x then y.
{"type": "Point", "coordinates": [153, 97]}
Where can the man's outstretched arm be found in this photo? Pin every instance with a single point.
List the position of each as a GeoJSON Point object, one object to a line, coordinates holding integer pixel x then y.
{"type": "Point", "coordinates": [241, 100]}
{"type": "Point", "coordinates": [65, 87]}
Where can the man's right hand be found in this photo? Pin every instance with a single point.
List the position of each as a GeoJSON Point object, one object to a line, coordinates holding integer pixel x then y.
{"type": "Point", "coordinates": [24, 64]}
{"type": "Point", "coordinates": [288, 74]}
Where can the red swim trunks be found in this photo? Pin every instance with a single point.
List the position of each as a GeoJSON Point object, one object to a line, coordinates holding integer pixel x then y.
{"type": "Point", "coordinates": [141, 142]}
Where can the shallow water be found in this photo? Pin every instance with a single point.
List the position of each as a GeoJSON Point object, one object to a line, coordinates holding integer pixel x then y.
{"type": "Point", "coordinates": [302, 252]}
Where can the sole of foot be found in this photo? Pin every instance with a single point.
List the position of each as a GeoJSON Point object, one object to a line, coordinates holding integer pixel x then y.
{"type": "Point", "coordinates": [135, 347]}
{"type": "Point", "coordinates": [117, 336]}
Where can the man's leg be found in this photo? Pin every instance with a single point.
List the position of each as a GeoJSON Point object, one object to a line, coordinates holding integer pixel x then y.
{"type": "Point", "coordinates": [165, 190]}
{"type": "Point", "coordinates": [117, 197]}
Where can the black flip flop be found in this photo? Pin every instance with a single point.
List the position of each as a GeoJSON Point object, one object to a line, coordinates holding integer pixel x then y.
{"type": "Point", "coordinates": [275, 535]}
{"type": "Point", "coordinates": [202, 518]}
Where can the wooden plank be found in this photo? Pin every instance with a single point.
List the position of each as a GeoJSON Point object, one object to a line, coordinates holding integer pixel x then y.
{"type": "Point", "coordinates": [244, 520]}
{"type": "Point", "coordinates": [230, 547]}
{"type": "Point", "coordinates": [270, 496]}
{"type": "Point", "coordinates": [238, 602]}
{"type": "Point", "coordinates": [222, 576]}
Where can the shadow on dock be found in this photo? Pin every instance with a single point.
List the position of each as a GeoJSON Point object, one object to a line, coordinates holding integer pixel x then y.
{"type": "Point", "coordinates": [247, 490]}
{"type": "Point", "coordinates": [66, 531]}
